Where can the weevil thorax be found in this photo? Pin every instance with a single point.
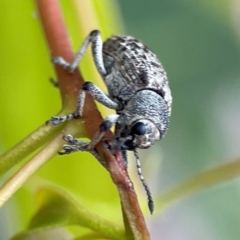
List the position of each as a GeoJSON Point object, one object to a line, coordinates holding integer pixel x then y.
{"type": "Point", "coordinates": [143, 121]}
{"type": "Point", "coordinates": [136, 79]}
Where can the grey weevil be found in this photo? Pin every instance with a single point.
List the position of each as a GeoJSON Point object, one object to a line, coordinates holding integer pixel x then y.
{"type": "Point", "coordinates": [138, 91]}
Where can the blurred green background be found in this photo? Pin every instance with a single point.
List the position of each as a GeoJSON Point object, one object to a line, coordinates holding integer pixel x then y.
{"type": "Point", "coordinates": [198, 43]}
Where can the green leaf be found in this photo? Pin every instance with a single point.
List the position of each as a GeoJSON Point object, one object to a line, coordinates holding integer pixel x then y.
{"type": "Point", "coordinates": [58, 209]}
{"type": "Point", "coordinates": [58, 233]}
{"type": "Point", "coordinates": [198, 182]}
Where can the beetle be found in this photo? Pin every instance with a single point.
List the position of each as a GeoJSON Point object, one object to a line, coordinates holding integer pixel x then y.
{"type": "Point", "coordinates": [138, 90]}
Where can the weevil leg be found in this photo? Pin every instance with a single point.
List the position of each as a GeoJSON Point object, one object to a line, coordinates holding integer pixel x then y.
{"type": "Point", "coordinates": [96, 93]}
{"type": "Point", "coordinates": [55, 120]}
{"type": "Point", "coordinates": [124, 154]}
{"type": "Point", "coordinates": [79, 145]}
{"type": "Point", "coordinates": [95, 38]}
{"type": "Point", "coordinates": [104, 126]}
{"type": "Point", "coordinates": [85, 146]}
{"type": "Point", "coordinates": [100, 96]}
{"type": "Point", "coordinates": [76, 145]}
{"type": "Point", "coordinates": [54, 82]}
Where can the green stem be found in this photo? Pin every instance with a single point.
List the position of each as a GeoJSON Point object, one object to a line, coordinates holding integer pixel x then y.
{"type": "Point", "coordinates": [100, 225]}
{"type": "Point", "coordinates": [19, 178]}
{"type": "Point", "coordinates": [51, 16]}
{"type": "Point", "coordinates": [33, 141]}
{"type": "Point", "coordinates": [197, 183]}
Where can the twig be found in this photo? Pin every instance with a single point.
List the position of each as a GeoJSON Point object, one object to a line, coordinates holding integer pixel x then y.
{"type": "Point", "coordinates": [14, 183]}
{"type": "Point", "coordinates": [30, 143]}
{"type": "Point", "coordinates": [69, 84]}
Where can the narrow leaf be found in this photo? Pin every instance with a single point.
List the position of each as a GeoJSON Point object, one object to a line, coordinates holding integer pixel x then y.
{"type": "Point", "coordinates": [58, 233]}
{"type": "Point", "coordinates": [197, 183]}
{"type": "Point", "coordinates": [57, 208]}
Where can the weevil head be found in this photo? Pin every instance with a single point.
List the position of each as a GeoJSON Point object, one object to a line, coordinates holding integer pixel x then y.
{"type": "Point", "coordinates": [143, 121]}
{"type": "Point", "coordinates": [141, 134]}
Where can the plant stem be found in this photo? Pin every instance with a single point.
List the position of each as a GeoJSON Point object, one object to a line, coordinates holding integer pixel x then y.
{"type": "Point", "coordinates": [19, 178]}
{"type": "Point", "coordinates": [26, 146]}
{"type": "Point", "coordinates": [197, 183]}
{"type": "Point", "coordinates": [69, 84]}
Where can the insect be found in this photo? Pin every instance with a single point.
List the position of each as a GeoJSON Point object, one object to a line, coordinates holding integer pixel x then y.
{"type": "Point", "coordinates": [138, 91]}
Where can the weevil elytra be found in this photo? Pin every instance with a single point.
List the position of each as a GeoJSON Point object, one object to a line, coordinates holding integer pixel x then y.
{"type": "Point", "coordinates": [138, 91]}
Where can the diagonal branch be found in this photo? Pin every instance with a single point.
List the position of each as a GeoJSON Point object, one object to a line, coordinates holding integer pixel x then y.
{"type": "Point", "coordinates": [29, 144]}
{"type": "Point", "coordinates": [197, 183]}
{"type": "Point", "coordinates": [58, 42]}
{"type": "Point", "coordinates": [19, 178]}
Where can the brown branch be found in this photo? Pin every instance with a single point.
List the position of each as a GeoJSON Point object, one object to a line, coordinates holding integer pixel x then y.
{"type": "Point", "coordinates": [70, 84]}
{"type": "Point", "coordinates": [59, 45]}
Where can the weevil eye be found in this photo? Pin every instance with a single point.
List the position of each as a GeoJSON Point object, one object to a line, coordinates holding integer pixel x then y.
{"type": "Point", "coordinates": [139, 129]}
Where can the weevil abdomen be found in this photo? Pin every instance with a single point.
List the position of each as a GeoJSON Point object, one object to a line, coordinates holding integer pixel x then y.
{"type": "Point", "coordinates": [131, 67]}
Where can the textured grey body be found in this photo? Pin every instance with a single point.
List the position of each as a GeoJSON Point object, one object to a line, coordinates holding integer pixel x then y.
{"type": "Point", "coordinates": [137, 81]}
{"type": "Point", "coordinates": [131, 67]}
{"type": "Point", "coordinates": [138, 91]}
{"type": "Point", "coordinates": [145, 104]}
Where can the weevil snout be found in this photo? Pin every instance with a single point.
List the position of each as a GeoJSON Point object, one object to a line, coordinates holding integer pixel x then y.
{"type": "Point", "coordinates": [143, 133]}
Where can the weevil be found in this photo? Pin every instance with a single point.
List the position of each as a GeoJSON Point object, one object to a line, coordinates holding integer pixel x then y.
{"type": "Point", "coordinates": [138, 90]}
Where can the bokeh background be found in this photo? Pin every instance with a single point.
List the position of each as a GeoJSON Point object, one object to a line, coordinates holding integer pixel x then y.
{"type": "Point", "coordinates": [198, 43]}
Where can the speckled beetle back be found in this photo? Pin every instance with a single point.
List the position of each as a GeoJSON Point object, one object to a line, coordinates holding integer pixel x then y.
{"type": "Point", "coordinates": [138, 91]}
{"type": "Point", "coordinates": [135, 67]}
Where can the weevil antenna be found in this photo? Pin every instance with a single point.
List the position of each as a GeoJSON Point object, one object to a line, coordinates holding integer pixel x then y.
{"type": "Point", "coordinates": [139, 170]}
